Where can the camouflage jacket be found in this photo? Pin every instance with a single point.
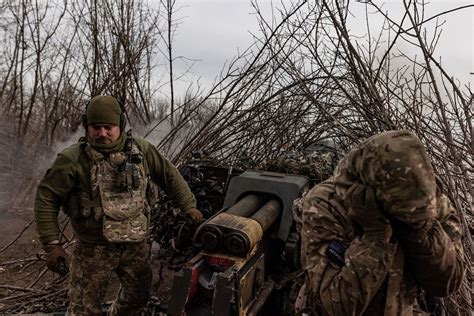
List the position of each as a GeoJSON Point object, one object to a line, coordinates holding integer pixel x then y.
{"type": "Point", "coordinates": [347, 272]}
{"type": "Point", "coordinates": [70, 173]}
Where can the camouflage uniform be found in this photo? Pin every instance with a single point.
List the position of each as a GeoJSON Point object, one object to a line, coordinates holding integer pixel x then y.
{"type": "Point", "coordinates": [349, 273]}
{"type": "Point", "coordinates": [79, 180]}
{"type": "Point", "coordinates": [90, 270]}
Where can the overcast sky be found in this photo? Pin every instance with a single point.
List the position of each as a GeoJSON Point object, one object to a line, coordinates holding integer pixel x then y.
{"type": "Point", "coordinates": [214, 30]}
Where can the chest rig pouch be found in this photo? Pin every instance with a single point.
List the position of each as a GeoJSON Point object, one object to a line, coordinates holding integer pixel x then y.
{"type": "Point", "coordinates": [118, 184]}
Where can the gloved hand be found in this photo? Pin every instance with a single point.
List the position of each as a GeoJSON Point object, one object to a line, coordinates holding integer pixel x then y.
{"type": "Point", "coordinates": [56, 258]}
{"type": "Point", "coordinates": [363, 209]}
{"type": "Point", "coordinates": [195, 215]}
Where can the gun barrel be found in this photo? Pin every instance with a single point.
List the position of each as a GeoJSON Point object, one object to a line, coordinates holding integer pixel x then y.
{"type": "Point", "coordinates": [246, 206]}
{"type": "Point", "coordinates": [268, 213]}
{"type": "Point", "coordinates": [211, 237]}
{"type": "Point", "coordinates": [234, 231]}
{"type": "Point", "coordinates": [240, 242]}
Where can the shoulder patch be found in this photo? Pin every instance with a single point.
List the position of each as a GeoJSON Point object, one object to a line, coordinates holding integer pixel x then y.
{"type": "Point", "coordinates": [335, 252]}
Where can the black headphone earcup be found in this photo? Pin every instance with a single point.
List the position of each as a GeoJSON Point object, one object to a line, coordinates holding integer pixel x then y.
{"type": "Point", "coordinates": [123, 122]}
{"type": "Point", "coordinates": [84, 121]}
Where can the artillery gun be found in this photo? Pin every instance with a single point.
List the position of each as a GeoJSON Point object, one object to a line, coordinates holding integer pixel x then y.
{"type": "Point", "coordinates": [249, 258]}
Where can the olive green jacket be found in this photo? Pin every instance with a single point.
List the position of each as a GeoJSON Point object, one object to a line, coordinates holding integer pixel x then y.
{"type": "Point", "coordinates": [70, 173]}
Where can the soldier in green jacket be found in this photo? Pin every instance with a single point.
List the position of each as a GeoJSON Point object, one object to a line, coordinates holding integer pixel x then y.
{"type": "Point", "coordinates": [101, 184]}
{"type": "Point", "coordinates": [378, 232]}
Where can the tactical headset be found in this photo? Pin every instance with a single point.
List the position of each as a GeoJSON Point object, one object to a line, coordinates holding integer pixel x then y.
{"type": "Point", "coordinates": [123, 122]}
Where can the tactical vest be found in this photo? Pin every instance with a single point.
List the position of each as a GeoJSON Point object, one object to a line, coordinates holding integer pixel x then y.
{"type": "Point", "coordinates": [118, 187]}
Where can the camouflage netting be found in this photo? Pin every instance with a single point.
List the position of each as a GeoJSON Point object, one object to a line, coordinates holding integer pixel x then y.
{"type": "Point", "coordinates": [316, 166]}
{"type": "Point", "coordinates": [208, 179]}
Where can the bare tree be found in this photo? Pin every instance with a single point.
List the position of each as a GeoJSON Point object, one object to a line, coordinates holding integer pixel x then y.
{"type": "Point", "coordinates": [305, 78]}
{"type": "Point", "coordinates": [56, 55]}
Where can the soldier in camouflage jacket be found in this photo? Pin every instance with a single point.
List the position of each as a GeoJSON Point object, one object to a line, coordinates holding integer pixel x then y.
{"type": "Point", "coordinates": [378, 232]}
{"type": "Point", "coordinates": [101, 184]}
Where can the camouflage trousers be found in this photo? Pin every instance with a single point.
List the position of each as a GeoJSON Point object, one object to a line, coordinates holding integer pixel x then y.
{"type": "Point", "coordinates": [90, 270]}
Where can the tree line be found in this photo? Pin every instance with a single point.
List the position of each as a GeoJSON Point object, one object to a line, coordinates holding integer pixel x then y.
{"type": "Point", "coordinates": [305, 78]}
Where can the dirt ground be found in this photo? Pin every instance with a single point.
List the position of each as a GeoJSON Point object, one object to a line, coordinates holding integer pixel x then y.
{"type": "Point", "coordinates": [22, 264]}
{"type": "Point", "coordinates": [27, 246]}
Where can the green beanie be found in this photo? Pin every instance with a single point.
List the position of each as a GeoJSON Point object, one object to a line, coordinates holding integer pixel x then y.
{"type": "Point", "coordinates": [103, 109]}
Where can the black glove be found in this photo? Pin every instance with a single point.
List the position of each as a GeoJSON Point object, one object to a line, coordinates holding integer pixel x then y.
{"type": "Point", "coordinates": [363, 209]}
{"type": "Point", "coordinates": [56, 259]}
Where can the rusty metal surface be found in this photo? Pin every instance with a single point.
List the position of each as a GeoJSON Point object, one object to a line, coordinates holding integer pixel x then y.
{"type": "Point", "coordinates": [246, 206]}
{"type": "Point", "coordinates": [268, 213]}
{"type": "Point", "coordinates": [250, 284]}
{"type": "Point", "coordinates": [235, 234]}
